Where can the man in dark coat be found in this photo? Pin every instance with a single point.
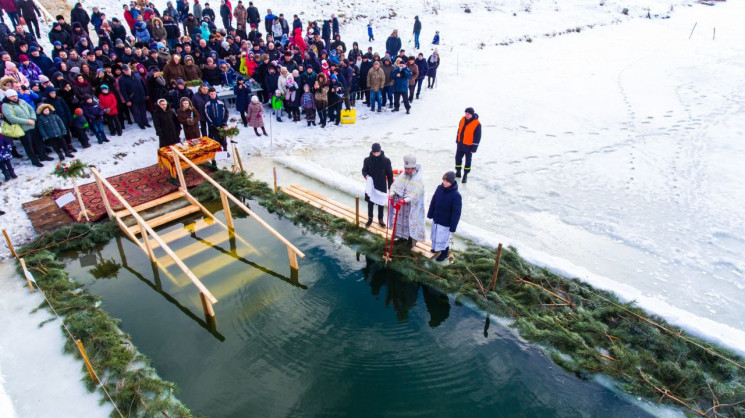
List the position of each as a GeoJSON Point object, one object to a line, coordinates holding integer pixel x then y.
{"type": "Point", "coordinates": [416, 31]}
{"type": "Point", "coordinates": [79, 15]}
{"type": "Point", "coordinates": [226, 15]}
{"type": "Point", "coordinates": [423, 66]}
{"type": "Point", "coordinates": [378, 168]}
{"type": "Point", "coordinates": [167, 126]}
{"type": "Point", "coordinates": [134, 93]}
{"type": "Point", "coordinates": [393, 44]}
{"type": "Point", "coordinates": [217, 117]}
{"type": "Point", "coordinates": [253, 15]}
{"type": "Point", "coordinates": [444, 210]}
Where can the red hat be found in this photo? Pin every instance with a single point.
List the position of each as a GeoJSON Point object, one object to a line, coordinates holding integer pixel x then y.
{"type": "Point", "coordinates": [22, 58]}
{"type": "Point", "coordinates": [78, 111]}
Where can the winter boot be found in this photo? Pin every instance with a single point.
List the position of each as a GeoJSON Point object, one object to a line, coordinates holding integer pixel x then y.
{"type": "Point", "coordinates": [309, 124]}
{"type": "Point", "coordinates": [314, 123]}
{"type": "Point", "coordinates": [457, 172]}
{"type": "Point", "coordinates": [12, 173]}
{"type": "Point", "coordinates": [14, 153]}
{"type": "Point", "coordinates": [279, 119]}
{"type": "Point", "coordinates": [443, 254]}
{"type": "Point", "coordinates": [381, 223]}
{"type": "Point", "coordinates": [256, 131]}
{"type": "Point", "coordinates": [367, 224]}
{"type": "Point", "coordinates": [6, 173]}
{"type": "Point", "coordinates": [264, 131]}
{"type": "Point", "coordinates": [465, 177]}
{"type": "Point", "coordinates": [60, 156]}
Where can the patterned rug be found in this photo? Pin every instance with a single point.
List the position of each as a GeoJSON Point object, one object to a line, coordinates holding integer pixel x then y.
{"type": "Point", "coordinates": [136, 187]}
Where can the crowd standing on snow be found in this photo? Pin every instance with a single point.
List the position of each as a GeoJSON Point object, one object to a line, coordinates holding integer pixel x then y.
{"type": "Point", "coordinates": [106, 74]}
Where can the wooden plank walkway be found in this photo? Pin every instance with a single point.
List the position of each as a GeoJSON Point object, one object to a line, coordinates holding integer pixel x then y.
{"type": "Point", "coordinates": [347, 213]}
{"type": "Point", "coordinates": [45, 215]}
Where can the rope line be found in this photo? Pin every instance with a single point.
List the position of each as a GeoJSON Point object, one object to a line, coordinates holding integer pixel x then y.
{"type": "Point", "coordinates": [31, 278]}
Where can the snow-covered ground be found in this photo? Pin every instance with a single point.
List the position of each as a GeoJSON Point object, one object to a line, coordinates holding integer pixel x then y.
{"type": "Point", "coordinates": [612, 154]}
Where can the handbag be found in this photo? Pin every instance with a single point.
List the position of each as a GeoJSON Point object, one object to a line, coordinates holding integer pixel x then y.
{"type": "Point", "coordinates": [11, 130]}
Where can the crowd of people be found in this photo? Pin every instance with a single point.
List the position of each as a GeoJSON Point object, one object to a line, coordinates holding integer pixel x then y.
{"type": "Point", "coordinates": [106, 74]}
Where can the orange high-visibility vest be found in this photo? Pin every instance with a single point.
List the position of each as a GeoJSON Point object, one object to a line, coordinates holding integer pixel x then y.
{"type": "Point", "coordinates": [466, 137]}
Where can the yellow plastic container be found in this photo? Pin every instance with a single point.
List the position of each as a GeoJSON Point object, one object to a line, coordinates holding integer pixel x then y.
{"type": "Point", "coordinates": [348, 116]}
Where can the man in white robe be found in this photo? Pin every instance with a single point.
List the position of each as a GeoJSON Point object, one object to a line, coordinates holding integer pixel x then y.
{"type": "Point", "coordinates": [408, 200]}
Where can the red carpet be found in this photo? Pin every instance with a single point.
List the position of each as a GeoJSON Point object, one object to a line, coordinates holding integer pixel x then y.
{"type": "Point", "coordinates": [136, 187]}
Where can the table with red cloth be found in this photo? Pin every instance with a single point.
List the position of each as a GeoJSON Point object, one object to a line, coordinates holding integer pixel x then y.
{"type": "Point", "coordinates": [198, 150]}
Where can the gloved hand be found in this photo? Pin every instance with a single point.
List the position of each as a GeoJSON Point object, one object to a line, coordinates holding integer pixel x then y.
{"type": "Point", "coordinates": [399, 204]}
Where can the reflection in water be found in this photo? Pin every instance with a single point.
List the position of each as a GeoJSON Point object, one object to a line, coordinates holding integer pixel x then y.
{"type": "Point", "coordinates": [403, 295]}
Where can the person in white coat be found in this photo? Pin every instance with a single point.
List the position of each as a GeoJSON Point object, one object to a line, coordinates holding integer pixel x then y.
{"type": "Point", "coordinates": [408, 200]}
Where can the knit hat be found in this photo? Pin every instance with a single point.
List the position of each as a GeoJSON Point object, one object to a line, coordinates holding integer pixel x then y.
{"type": "Point", "coordinates": [57, 43]}
{"type": "Point", "coordinates": [22, 58]}
{"type": "Point", "coordinates": [449, 177]}
{"type": "Point", "coordinates": [104, 86]}
{"type": "Point", "coordinates": [43, 79]}
{"type": "Point", "coordinates": [11, 93]}
{"type": "Point", "coordinates": [409, 161]}
{"type": "Point", "coordinates": [79, 112]}
{"type": "Point", "coordinates": [254, 99]}
{"type": "Point", "coordinates": [376, 147]}
{"type": "Point", "coordinates": [470, 110]}
{"type": "Point", "coordinates": [33, 48]}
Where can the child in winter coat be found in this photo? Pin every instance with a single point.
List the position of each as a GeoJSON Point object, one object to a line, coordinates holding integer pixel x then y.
{"type": "Point", "coordinates": [79, 126]}
{"type": "Point", "coordinates": [109, 104]}
{"type": "Point", "coordinates": [308, 104]}
{"type": "Point", "coordinates": [52, 130]}
{"type": "Point", "coordinates": [227, 74]}
{"type": "Point", "coordinates": [6, 154]}
{"type": "Point", "coordinates": [277, 101]}
{"type": "Point", "coordinates": [94, 114]}
{"type": "Point", "coordinates": [291, 92]}
{"type": "Point", "coordinates": [255, 111]}
{"type": "Point", "coordinates": [370, 36]}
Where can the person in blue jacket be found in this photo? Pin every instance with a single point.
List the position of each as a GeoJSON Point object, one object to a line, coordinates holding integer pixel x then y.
{"type": "Point", "coordinates": [370, 36]}
{"type": "Point", "coordinates": [401, 76]}
{"type": "Point", "coordinates": [444, 210]}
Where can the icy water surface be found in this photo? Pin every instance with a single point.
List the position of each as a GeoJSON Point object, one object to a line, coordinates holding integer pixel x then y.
{"type": "Point", "coordinates": [349, 338]}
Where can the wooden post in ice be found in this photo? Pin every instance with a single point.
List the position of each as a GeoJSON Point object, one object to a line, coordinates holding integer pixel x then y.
{"type": "Point", "coordinates": [87, 361]}
{"type": "Point", "coordinates": [274, 169]}
{"type": "Point", "coordinates": [493, 283]}
{"type": "Point", "coordinates": [84, 211]}
{"type": "Point", "coordinates": [10, 244]}
{"type": "Point", "coordinates": [357, 211]}
{"type": "Point", "coordinates": [226, 209]}
{"type": "Point", "coordinates": [25, 271]}
{"type": "Point", "coordinates": [715, 34]}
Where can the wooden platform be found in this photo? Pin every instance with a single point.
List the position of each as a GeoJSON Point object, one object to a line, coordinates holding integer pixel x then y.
{"type": "Point", "coordinates": [347, 213]}
{"type": "Point", "coordinates": [45, 215]}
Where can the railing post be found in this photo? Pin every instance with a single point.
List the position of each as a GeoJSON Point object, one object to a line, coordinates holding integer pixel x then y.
{"type": "Point", "coordinates": [104, 196]}
{"type": "Point", "coordinates": [23, 266]}
{"type": "Point", "coordinates": [226, 209]}
{"type": "Point", "coordinates": [209, 311]}
{"type": "Point", "coordinates": [357, 211]}
{"type": "Point", "coordinates": [144, 234]}
{"type": "Point", "coordinates": [179, 171]}
{"type": "Point", "coordinates": [293, 258]}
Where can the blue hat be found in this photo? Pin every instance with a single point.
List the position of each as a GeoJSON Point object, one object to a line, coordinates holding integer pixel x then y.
{"type": "Point", "coordinates": [32, 49]}
{"type": "Point", "coordinates": [57, 43]}
{"type": "Point", "coordinates": [104, 86]}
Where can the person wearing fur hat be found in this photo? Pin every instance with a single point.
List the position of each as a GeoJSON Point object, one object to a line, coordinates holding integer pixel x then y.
{"type": "Point", "coordinates": [18, 112]}
{"type": "Point", "coordinates": [52, 130]}
{"type": "Point", "coordinates": [444, 210]}
{"type": "Point", "coordinates": [377, 171]}
{"type": "Point", "coordinates": [408, 200]}
{"type": "Point", "coordinates": [467, 140]}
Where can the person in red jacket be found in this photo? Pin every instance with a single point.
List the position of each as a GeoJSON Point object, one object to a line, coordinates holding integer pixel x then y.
{"type": "Point", "coordinates": [107, 101]}
{"type": "Point", "coordinates": [468, 139]}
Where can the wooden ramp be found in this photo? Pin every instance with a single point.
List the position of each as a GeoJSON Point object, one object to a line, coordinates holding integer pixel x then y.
{"type": "Point", "coordinates": [347, 213]}
{"type": "Point", "coordinates": [45, 215]}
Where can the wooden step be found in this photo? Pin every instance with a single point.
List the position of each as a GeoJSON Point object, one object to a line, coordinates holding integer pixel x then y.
{"type": "Point", "coordinates": [185, 230]}
{"type": "Point", "coordinates": [168, 217]}
{"type": "Point", "coordinates": [151, 204]}
{"type": "Point", "coordinates": [195, 247]}
{"type": "Point", "coordinates": [345, 212]}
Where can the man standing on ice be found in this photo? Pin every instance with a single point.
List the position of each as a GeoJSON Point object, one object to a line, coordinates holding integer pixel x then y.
{"type": "Point", "coordinates": [408, 202]}
{"type": "Point", "coordinates": [444, 210]}
{"type": "Point", "coordinates": [468, 138]}
{"type": "Point", "coordinates": [378, 175]}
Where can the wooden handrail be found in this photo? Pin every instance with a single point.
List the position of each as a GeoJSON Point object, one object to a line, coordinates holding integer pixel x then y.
{"type": "Point", "coordinates": [238, 202]}
{"type": "Point", "coordinates": [147, 229]}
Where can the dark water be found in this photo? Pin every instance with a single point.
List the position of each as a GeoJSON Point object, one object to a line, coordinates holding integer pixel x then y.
{"type": "Point", "coordinates": [350, 339]}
